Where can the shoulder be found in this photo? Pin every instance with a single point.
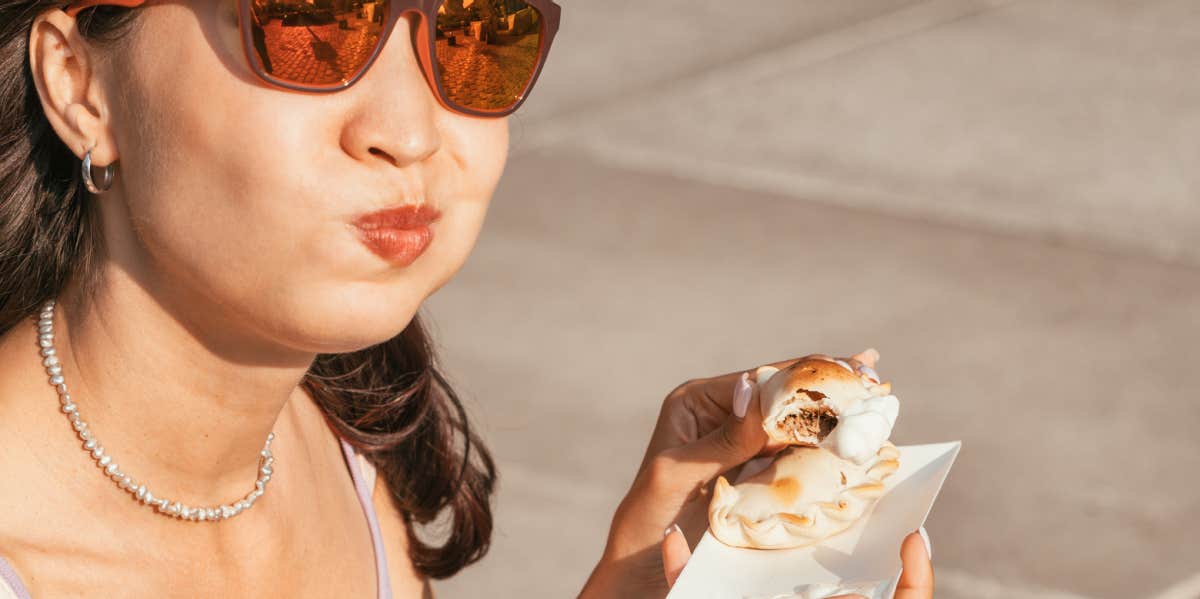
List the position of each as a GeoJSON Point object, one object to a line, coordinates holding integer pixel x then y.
{"type": "Point", "coordinates": [406, 580]}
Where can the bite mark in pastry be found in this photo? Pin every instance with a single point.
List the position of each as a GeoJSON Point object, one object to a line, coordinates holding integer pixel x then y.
{"type": "Point", "coordinates": [821, 401]}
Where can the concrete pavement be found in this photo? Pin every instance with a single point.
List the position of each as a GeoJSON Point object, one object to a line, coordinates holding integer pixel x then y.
{"type": "Point", "coordinates": [998, 195]}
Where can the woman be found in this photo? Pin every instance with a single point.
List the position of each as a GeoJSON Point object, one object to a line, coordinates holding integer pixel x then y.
{"type": "Point", "coordinates": [237, 299]}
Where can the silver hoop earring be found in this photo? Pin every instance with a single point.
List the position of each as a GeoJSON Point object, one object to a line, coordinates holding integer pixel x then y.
{"type": "Point", "coordinates": [105, 180]}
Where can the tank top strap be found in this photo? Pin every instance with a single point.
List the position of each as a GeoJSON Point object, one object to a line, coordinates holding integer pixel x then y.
{"type": "Point", "coordinates": [360, 471]}
{"type": "Point", "coordinates": [11, 586]}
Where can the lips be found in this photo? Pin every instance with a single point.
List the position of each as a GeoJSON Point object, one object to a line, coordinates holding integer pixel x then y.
{"type": "Point", "coordinates": [408, 216]}
{"type": "Point", "coordinates": [398, 234]}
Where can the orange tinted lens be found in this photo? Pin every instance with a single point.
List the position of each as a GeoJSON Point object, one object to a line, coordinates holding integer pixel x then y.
{"type": "Point", "coordinates": [487, 51]}
{"type": "Point", "coordinates": [321, 44]}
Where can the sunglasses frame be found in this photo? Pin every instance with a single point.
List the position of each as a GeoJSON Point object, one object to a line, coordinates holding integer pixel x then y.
{"type": "Point", "coordinates": [424, 42]}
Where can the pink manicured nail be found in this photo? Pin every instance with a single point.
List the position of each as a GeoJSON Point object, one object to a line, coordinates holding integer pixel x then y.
{"type": "Point", "coordinates": [741, 396]}
{"type": "Point", "coordinates": [925, 537]}
{"type": "Point", "coordinates": [670, 529]}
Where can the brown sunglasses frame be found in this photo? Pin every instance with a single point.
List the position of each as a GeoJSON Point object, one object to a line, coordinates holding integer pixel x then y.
{"type": "Point", "coordinates": [424, 42]}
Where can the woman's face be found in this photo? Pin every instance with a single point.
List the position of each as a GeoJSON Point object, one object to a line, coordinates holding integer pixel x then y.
{"type": "Point", "coordinates": [238, 197]}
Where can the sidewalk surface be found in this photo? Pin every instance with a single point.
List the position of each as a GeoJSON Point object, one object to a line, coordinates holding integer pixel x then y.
{"type": "Point", "coordinates": [1000, 196]}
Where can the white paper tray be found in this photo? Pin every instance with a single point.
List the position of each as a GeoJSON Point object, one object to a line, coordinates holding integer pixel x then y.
{"type": "Point", "coordinates": [868, 551]}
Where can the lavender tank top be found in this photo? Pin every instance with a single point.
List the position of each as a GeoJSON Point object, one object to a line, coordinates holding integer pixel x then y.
{"type": "Point", "coordinates": [361, 471]}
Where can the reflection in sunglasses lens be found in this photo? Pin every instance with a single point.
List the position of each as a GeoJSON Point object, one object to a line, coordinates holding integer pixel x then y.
{"type": "Point", "coordinates": [487, 51]}
{"type": "Point", "coordinates": [320, 43]}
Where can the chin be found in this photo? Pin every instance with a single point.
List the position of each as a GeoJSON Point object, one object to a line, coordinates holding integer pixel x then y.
{"type": "Point", "coordinates": [349, 320]}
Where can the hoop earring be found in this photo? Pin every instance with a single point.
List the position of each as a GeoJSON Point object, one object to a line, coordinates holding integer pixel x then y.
{"type": "Point", "coordinates": [105, 180]}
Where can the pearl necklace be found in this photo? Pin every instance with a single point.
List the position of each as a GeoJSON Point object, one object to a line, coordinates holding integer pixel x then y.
{"type": "Point", "coordinates": [105, 462]}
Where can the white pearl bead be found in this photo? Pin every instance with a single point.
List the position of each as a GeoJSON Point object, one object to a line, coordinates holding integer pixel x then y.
{"type": "Point", "coordinates": [56, 369]}
{"type": "Point", "coordinates": [56, 380]}
{"type": "Point", "coordinates": [90, 444]}
{"type": "Point", "coordinates": [49, 351]}
{"type": "Point", "coordinates": [105, 460]}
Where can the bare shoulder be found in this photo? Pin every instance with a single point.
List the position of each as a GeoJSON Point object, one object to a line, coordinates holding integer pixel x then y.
{"type": "Point", "coordinates": [406, 580]}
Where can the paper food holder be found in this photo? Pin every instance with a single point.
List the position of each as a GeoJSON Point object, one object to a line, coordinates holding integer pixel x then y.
{"type": "Point", "coordinates": [866, 556]}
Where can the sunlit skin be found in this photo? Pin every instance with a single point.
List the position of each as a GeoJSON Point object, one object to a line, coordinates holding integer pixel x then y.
{"type": "Point", "coordinates": [230, 263]}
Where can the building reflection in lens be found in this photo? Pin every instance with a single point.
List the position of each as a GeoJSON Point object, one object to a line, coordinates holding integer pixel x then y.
{"type": "Point", "coordinates": [487, 50]}
{"type": "Point", "coordinates": [322, 42]}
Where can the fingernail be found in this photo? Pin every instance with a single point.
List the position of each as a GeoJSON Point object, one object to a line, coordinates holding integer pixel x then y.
{"type": "Point", "coordinates": [670, 529]}
{"type": "Point", "coordinates": [870, 372]}
{"type": "Point", "coordinates": [741, 396]}
{"type": "Point", "coordinates": [925, 537]}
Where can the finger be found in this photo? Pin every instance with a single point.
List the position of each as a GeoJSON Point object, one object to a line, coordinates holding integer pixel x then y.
{"type": "Point", "coordinates": [869, 356]}
{"type": "Point", "coordinates": [675, 553]}
{"type": "Point", "coordinates": [737, 439]}
{"type": "Point", "coordinates": [916, 577]}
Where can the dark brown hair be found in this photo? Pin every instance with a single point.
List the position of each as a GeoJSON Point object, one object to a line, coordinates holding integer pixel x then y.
{"type": "Point", "coordinates": [389, 400]}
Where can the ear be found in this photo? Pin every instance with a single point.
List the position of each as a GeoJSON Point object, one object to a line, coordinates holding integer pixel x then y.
{"type": "Point", "coordinates": [63, 67]}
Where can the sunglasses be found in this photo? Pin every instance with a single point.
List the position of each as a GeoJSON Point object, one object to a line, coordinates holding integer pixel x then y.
{"type": "Point", "coordinates": [481, 57]}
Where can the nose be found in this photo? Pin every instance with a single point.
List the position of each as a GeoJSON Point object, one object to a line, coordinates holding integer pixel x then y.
{"type": "Point", "coordinates": [394, 113]}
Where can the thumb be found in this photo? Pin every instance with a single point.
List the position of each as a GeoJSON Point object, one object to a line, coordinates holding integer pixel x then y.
{"type": "Point", "coordinates": [675, 553]}
{"type": "Point", "coordinates": [739, 438]}
{"type": "Point", "coordinates": [916, 575]}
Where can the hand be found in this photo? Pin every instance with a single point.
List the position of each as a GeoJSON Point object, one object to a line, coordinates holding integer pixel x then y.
{"type": "Point", "coordinates": [701, 432]}
{"type": "Point", "coordinates": [916, 577]}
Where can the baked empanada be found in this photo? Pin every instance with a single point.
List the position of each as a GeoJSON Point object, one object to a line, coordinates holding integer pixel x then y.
{"type": "Point", "coordinates": [807, 494]}
{"type": "Point", "coordinates": [820, 401]}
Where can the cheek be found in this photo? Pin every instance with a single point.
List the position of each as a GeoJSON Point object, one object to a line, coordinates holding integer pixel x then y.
{"type": "Point", "coordinates": [478, 151]}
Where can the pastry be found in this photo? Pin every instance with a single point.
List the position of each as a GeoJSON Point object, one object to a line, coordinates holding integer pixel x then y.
{"type": "Point", "coordinates": [835, 415]}
{"type": "Point", "coordinates": [806, 495]}
{"type": "Point", "coordinates": [821, 401]}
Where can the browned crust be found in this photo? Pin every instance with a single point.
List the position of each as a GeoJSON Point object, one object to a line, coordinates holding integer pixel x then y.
{"type": "Point", "coordinates": [794, 519]}
{"type": "Point", "coordinates": [809, 373]}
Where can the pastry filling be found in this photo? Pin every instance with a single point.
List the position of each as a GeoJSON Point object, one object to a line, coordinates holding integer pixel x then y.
{"type": "Point", "coordinates": [809, 423]}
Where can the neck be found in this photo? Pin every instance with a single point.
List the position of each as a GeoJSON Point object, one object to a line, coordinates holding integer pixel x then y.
{"type": "Point", "coordinates": [184, 406]}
